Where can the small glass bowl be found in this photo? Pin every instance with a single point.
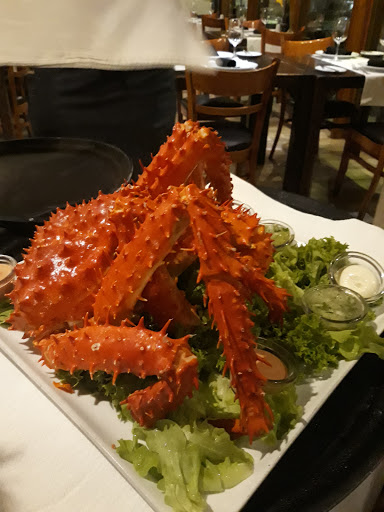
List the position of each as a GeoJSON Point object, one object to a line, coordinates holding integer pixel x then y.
{"type": "Point", "coordinates": [6, 284]}
{"type": "Point", "coordinates": [371, 268]}
{"type": "Point", "coordinates": [236, 204]}
{"type": "Point", "coordinates": [286, 358]}
{"type": "Point", "coordinates": [338, 307]}
{"type": "Point", "coordinates": [282, 234]}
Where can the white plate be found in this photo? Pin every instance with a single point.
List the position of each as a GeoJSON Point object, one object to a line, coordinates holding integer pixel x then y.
{"type": "Point", "coordinates": [241, 64]}
{"type": "Point", "coordinates": [330, 56]}
{"type": "Point", "coordinates": [373, 69]}
{"type": "Point", "coordinates": [371, 53]}
{"type": "Point", "coordinates": [99, 423]}
{"type": "Point", "coordinates": [328, 68]}
{"type": "Point", "coordinates": [246, 53]}
{"type": "Point", "coordinates": [225, 55]}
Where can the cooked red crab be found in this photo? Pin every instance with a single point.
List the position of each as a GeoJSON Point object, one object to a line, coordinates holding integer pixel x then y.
{"type": "Point", "coordinates": [90, 266]}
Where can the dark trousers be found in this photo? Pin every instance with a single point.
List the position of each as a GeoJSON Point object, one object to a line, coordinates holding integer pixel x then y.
{"type": "Point", "coordinates": [133, 110]}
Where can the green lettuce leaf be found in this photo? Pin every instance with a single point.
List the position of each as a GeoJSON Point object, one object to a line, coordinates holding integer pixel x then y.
{"type": "Point", "coordinates": [188, 460]}
{"type": "Point", "coordinates": [351, 344]}
{"type": "Point", "coordinates": [297, 268]}
{"type": "Point", "coordinates": [286, 413]}
{"type": "Point", "coordinates": [6, 308]}
{"type": "Point", "coordinates": [214, 399]}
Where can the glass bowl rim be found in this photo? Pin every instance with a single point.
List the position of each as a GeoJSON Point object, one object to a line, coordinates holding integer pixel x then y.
{"type": "Point", "coordinates": [264, 222]}
{"type": "Point", "coordinates": [285, 355]}
{"type": "Point", "coordinates": [4, 258]}
{"type": "Point", "coordinates": [362, 256]}
{"type": "Point", "coordinates": [345, 290]}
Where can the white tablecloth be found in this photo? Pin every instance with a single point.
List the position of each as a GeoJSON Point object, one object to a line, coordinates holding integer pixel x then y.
{"type": "Point", "coordinates": [373, 91]}
{"type": "Point", "coordinates": [48, 465]}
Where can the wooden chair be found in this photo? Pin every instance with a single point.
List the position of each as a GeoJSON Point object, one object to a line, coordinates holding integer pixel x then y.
{"type": "Point", "coordinates": [18, 100]}
{"type": "Point", "coordinates": [333, 108]}
{"type": "Point", "coordinates": [301, 48]}
{"type": "Point", "coordinates": [220, 44]}
{"type": "Point", "coordinates": [278, 38]}
{"type": "Point", "coordinates": [254, 25]}
{"type": "Point", "coordinates": [240, 137]}
{"type": "Point", "coordinates": [209, 21]}
{"type": "Point", "coordinates": [369, 139]}
{"type": "Point", "coordinates": [7, 130]}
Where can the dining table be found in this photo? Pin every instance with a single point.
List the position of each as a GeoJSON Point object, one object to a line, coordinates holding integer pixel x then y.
{"type": "Point", "coordinates": [310, 89]}
{"type": "Point", "coordinates": [52, 457]}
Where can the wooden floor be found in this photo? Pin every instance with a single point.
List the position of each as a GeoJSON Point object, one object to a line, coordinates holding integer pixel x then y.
{"type": "Point", "coordinates": [327, 164]}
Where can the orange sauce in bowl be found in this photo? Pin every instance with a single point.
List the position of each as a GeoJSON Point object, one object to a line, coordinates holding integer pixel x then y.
{"type": "Point", "coordinates": [5, 270]}
{"type": "Point", "coordinates": [275, 369]}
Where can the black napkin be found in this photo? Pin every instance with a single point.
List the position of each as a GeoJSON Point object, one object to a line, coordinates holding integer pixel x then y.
{"type": "Point", "coordinates": [331, 50]}
{"type": "Point", "coordinates": [226, 62]}
{"type": "Point", "coordinates": [377, 62]}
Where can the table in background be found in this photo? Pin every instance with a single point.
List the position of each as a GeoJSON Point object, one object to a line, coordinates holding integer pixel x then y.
{"type": "Point", "coordinates": [310, 89]}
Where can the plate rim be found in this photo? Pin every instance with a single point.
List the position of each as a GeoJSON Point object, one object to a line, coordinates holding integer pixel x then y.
{"type": "Point", "coordinates": [330, 55]}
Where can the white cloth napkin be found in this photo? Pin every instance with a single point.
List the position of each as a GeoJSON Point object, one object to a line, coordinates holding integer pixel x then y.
{"type": "Point", "coordinates": [113, 34]}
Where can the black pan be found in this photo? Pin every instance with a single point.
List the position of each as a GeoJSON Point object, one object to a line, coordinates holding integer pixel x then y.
{"type": "Point", "coordinates": [38, 175]}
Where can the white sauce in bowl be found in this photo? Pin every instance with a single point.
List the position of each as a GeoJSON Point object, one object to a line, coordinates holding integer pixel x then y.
{"type": "Point", "coordinates": [359, 279]}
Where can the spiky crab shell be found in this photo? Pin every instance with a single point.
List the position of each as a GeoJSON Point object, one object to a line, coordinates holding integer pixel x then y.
{"type": "Point", "coordinates": [63, 269]}
{"type": "Point", "coordinates": [192, 153]}
{"type": "Point", "coordinates": [137, 350]}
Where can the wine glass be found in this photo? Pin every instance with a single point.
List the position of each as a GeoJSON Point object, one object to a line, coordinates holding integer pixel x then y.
{"type": "Point", "coordinates": [264, 15]}
{"type": "Point", "coordinates": [340, 33]}
{"type": "Point", "coordinates": [382, 36]}
{"type": "Point", "coordinates": [235, 33]}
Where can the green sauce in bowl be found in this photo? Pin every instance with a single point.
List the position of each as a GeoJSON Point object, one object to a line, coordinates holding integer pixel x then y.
{"type": "Point", "coordinates": [338, 307]}
{"type": "Point", "coordinates": [282, 234]}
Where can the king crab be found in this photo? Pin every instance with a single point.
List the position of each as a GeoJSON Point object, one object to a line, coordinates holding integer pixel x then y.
{"type": "Point", "coordinates": [93, 266]}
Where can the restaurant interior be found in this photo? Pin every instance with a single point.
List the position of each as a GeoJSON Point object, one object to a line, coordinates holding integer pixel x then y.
{"type": "Point", "coordinates": [348, 97]}
{"type": "Point", "coordinates": [295, 91]}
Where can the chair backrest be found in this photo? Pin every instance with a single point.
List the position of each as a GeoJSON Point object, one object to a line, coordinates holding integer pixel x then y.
{"type": "Point", "coordinates": [208, 21]}
{"type": "Point", "coordinates": [220, 44]}
{"type": "Point", "coordinates": [277, 38]}
{"type": "Point", "coordinates": [18, 98]}
{"type": "Point", "coordinates": [233, 84]}
{"type": "Point", "coordinates": [254, 25]}
{"type": "Point", "coordinates": [299, 48]}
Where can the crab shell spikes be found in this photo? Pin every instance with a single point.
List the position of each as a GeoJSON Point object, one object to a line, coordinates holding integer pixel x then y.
{"type": "Point", "coordinates": [137, 350]}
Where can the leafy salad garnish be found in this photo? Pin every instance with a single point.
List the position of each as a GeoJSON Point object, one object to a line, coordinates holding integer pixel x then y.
{"type": "Point", "coordinates": [186, 455]}
{"type": "Point", "coordinates": [6, 309]}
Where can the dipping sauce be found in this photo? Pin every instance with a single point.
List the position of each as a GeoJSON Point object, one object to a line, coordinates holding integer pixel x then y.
{"type": "Point", "coordinates": [358, 272]}
{"type": "Point", "coordinates": [282, 234]}
{"type": "Point", "coordinates": [277, 369]}
{"type": "Point", "coordinates": [7, 274]}
{"type": "Point", "coordinates": [5, 270]}
{"type": "Point", "coordinates": [359, 279]}
{"type": "Point", "coordinates": [337, 306]}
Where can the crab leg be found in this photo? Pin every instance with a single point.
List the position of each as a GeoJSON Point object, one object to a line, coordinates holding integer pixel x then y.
{"type": "Point", "coordinates": [227, 276]}
{"type": "Point", "coordinates": [164, 300]}
{"type": "Point", "coordinates": [231, 316]}
{"type": "Point", "coordinates": [125, 280]}
{"type": "Point", "coordinates": [136, 350]}
{"type": "Point", "coordinates": [191, 152]}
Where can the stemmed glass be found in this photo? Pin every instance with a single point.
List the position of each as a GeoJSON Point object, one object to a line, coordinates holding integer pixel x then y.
{"type": "Point", "coordinates": [264, 15]}
{"type": "Point", "coordinates": [340, 33]}
{"type": "Point", "coordinates": [382, 36]}
{"type": "Point", "coordinates": [235, 33]}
